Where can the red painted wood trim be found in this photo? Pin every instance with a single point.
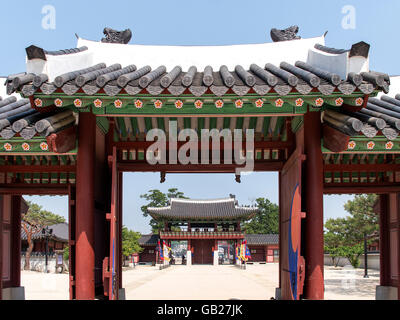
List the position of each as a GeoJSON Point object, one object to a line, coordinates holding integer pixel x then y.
{"type": "Point", "coordinates": [334, 140]}
{"type": "Point", "coordinates": [353, 188]}
{"type": "Point", "coordinates": [361, 167]}
{"type": "Point", "coordinates": [34, 189]}
{"type": "Point", "coordinates": [37, 168]}
{"type": "Point", "coordinates": [63, 141]}
{"type": "Point", "coordinates": [143, 166]}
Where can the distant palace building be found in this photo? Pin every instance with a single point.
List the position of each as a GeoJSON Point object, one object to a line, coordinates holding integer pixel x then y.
{"type": "Point", "coordinates": [209, 233]}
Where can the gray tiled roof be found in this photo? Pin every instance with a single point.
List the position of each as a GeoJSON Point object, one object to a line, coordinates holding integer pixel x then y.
{"type": "Point", "coordinates": [60, 233]}
{"type": "Point", "coordinates": [187, 209]}
{"type": "Point", "coordinates": [262, 239]}
{"type": "Point", "coordinates": [149, 240]}
{"type": "Point", "coordinates": [115, 79]}
{"type": "Point", "coordinates": [379, 117]}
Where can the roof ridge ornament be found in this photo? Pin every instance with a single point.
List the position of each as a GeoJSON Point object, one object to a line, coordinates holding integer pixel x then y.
{"type": "Point", "coordinates": [285, 34]}
{"type": "Point", "coordinates": [114, 36]}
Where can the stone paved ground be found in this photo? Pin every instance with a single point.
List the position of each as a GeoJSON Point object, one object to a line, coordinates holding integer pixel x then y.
{"type": "Point", "coordinates": [258, 282]}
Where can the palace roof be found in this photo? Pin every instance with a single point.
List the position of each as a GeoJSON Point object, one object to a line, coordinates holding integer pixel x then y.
{"type": "Point", "coordinates": [60, 233]}
{"type": "Point", "coordinates": [188, 209]}
{"type": "Point", "coordinates": [252, 239]}
{"type": "Point", "coordinates": [262, 239]}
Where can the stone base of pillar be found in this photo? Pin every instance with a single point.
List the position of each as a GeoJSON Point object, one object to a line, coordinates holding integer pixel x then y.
{"type": "Point", "coordinates": [121, 294]}
{"type": "Point", "coordinates": [189, 258]}
{"type": "Point", "coordinates": [278, 293]}
{"type": "Point", "coordinates": [216, 262]}
{"type": "Point", "coordinates": [17, 293]}
{"type": "Point", "coordinates": [386, 293]}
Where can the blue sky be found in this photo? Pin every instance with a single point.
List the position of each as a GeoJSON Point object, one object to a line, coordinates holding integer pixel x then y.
{"type": "Point", "coordinates": [206, 22]}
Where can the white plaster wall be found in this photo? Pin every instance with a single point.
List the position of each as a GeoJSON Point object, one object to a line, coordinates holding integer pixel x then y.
{"type": "Point", "coordinates": [373, 261]}
{"type": "Point", "coordinates": [38, 263]}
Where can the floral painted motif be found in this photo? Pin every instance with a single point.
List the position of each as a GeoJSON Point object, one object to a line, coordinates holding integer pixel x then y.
{"type": "Point", "coordinates": [118, 104]}
{"type": "Point", "coordinates": [219, 103]}
{"type": "Point", "coordinates": [58, 102]}
{"type": "Point", "coordinates": [351, 145]}
{"type": "Point", "coordinates": [339, 102]}
{"type": "Point", "coordinates": [239, 104]}
{"type": "Point", "coordinates": [359, 101]}
{"type": "Point", "coordinates": [98, 103]}
{"type": "Point", "coordinates": [389, 145]}
{"type": "Point", "coordinates": [279, 103]}
{"type": "Point", "coordinates": [78, 103]}
{"type": "Point", "coordinates": [299, 102]}
{"type": "Point", "coordinates": [158, 104]}
{"type": "Point", "coordinates": [370, 145]}
{"type": "Point", "coordinates": [138, 104]}
{"type": "Point", "coordinates": [319, 102]}
{"type": "Point", "coordinates": [198, 104]}
{"type": "Point", "coordinates": [44, 146]}
{"type": "Point", "coordinates": [26, 146]}
{"type": "Point", "coordinates": [178, 104]}
{"type": "Point", "coordinates": [38, 102]}
{"type": "Point", "coordinates": [7, 147]}
{"type": "Point", "coordinates": [259, 103]}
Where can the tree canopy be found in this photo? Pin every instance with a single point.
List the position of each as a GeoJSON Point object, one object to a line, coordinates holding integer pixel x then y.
{"type": "Point", "coordinates": [266, 221]}
{"type": "Point", "coordinates": [130, 242]}
{"type": "Point", "coordinates": [157, 199]}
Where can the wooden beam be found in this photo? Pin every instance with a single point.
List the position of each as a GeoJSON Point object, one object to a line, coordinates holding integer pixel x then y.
{"type": "Point", "coordinates": [257, 144]}
{"type": "Point", "coordinates": [360, 188]}
{"type": "Point", "coordinates": [361, 167]}
{"type": "Point", "coordinates": [334, 140]}
{"type": "Point", "coordinates": [143, 166]}
{"type": "Point", "coordinates": [34, 189]}
{"type": "Point", "coordinates": [63, 141]}
{"type": "Point", "coordinates": [36, 168]}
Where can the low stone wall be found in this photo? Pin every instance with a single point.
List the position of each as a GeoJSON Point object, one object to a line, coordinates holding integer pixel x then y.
{"type": "Point", "coordinates": [38, 263]}
{"type": "Point", "coordinates": [373, 261]}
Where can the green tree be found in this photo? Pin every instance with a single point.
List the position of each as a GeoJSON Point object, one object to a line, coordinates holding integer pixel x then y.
{"type": "Point", "coordinates": [130, 242]}
{"type": "Point", "coordinates": [266, 221]}
{"type": "Point", "coordinates": [363, 219]}
{"type": "Point", "coordinates": [157, 199]}
{"type": "Point", "coordinates": [344, 237]}
{"type": "Point", "coordinates": [33, 222]}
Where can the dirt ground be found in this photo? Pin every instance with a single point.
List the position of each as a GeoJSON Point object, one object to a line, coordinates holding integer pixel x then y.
{"type": "Point", "coordinates": [258, 282]}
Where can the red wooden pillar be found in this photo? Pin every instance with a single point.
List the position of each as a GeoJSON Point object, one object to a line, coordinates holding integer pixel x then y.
{"type": "Point", "coordinates": [120, 184]}
{"type": "Point", "coordinates": [1, 247]}
{"type": "Point", "coordinates": [384, 249]}
{"type": "Point", "coordinates": [16, 241]}
{"type": "Point", "coordinates": [84, 271]}
{"type": "Point", "coordinates": [314, 223]}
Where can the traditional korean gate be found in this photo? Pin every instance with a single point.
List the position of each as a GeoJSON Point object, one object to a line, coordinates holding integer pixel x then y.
{"type": "Point", "coordinates": [112, 264]}
{"type": "Point", "coordinates": [292, 266]}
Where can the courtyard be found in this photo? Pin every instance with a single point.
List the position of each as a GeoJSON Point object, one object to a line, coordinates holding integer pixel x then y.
{"type": "Point", "coordinates": [200, 282]}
